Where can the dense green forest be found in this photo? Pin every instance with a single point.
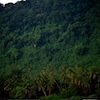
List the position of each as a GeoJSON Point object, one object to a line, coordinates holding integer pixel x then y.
{"type": "Point", "coordinates": [35, 34]}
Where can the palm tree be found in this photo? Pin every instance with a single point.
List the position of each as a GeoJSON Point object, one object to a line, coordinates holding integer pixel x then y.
{"type": "Point", "coordinates": [67, 76]}
{"type": "Point", "coordinates": [82, 80]}
{"type": "Point", "coordinates": [94, 77]}
{"type": "Point", "coordinates": [46, 81]}
{"type": "Point", "coordinates": [64, 78]}
{"type": "Point", "coordinates": [12, 80]}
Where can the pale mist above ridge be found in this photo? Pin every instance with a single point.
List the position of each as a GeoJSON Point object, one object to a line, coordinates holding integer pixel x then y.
{"type": "Point", "coordinates": [9, 1]}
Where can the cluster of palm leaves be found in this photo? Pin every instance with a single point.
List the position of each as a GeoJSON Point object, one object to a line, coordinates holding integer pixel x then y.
{"type": "Point", "coordinates": [86, 81]}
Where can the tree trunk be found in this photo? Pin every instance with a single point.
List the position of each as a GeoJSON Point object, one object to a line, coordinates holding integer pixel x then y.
{"type": "Point", "coordinates": [44, 91]}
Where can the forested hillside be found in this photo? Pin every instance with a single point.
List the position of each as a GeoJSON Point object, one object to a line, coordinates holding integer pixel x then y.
{"type": "Point", "coordinates": [50, 48]}
{"type": "Point", "coordinates": [39, 33]}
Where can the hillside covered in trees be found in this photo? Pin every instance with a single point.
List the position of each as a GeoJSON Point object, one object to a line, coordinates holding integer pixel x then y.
{"type": "Point", "coordinates": [35, 34]}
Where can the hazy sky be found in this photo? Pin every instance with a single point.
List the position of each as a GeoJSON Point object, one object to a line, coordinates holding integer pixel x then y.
{"type": "Point", "coordinates": [7, 1]}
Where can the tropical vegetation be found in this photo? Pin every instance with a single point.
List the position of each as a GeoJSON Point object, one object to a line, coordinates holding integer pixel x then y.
{"type": "Point", "coordinates": [48, 48]}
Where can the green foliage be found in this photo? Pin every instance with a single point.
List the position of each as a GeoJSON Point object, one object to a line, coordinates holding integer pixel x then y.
{"type": "Point", "coordinates": [18, 93]}
{"type": "Point", "coordinates": [76, 98]}
{"type": "Point", "coordinates": [92, 96]}
{"type": "Point", "coordinates": [71, 91]}
{"type": "Point", "coordinates": [38, 33]}
{"type": "Point", "coordinates": [49, 32]}
{"type": "Point", "coordinates": [50, 97]}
